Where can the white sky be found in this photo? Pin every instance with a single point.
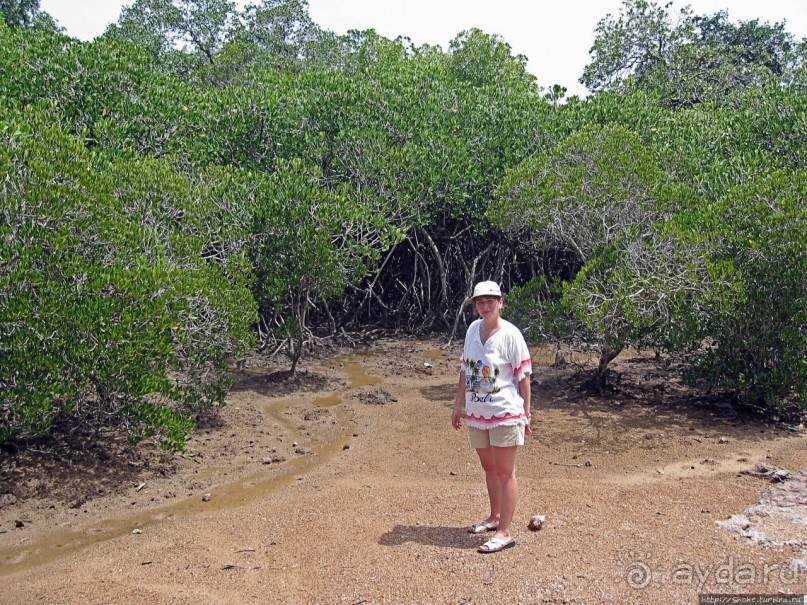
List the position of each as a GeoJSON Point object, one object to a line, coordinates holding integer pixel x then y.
{"type": "Point", "coordinates": [555, 35]}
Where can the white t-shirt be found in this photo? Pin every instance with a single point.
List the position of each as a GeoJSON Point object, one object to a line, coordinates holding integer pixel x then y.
{"type": "Point", "coordinates": [492, 373]}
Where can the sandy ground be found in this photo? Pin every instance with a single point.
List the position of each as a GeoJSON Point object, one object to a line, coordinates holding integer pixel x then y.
{"type": "Point", "coordinates": [349, 486]}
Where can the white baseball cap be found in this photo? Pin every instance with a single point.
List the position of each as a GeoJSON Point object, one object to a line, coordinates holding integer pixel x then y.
{"type": "Point", "coordinates": [485, 288]}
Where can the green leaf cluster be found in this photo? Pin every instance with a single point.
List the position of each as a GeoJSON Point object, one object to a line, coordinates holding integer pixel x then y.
{"type": "Point", "coordinates": [108, 301]}
{"type": "Point", "coordinates": [757, 314]}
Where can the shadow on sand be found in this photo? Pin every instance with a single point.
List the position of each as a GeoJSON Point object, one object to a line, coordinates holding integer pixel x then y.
{"type": "Point", "coordinates": [447, 537]}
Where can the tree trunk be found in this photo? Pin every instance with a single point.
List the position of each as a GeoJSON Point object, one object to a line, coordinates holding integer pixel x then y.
{"type": "Point", "coordinates": [301, 313]}
{"type": "Point", "coordinates": [607, 355]}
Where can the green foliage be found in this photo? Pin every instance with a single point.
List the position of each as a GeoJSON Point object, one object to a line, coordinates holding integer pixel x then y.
{"type": "Point", "coordinates": [215, 42]}
{"type": "Point", "coordinates": [19, 13]}
{"type": "Point", "coordinates": [754, 43]}
{"type": "Point", "coordinates": [699, 73]}
{"type": "Point", "coordinates": [484, 60]}
{"type": "Point", "coordinates": [758, 234]}
{"type": "Point", "coordinates": [299, 225]}
{"type": "Point", "coordinates": [151, 421]}
{"type": "Point", "coordinates": [536, 307]}
{"type": "Point", "coordinates": [590, 189]}
{"type": "Point", "coordinates": [310, 243]}
{"type": "Point", "coordinates": [629, 48]}
{"type": "Point", "coordinates": [277, 34]}
{"type": "Point", "coordinates": [107, 302]}
{"type": "Point", "coordinates": [722, 60]}
{"type": "Point", "coordinates": [87, 84]}
{"type": "Point", "coordinates": [599, 195]}
{"type": "Point", "coordinates": [164, 25]}
{"type": "Point", "coordinates": [668, 228]}
{"type": "Point", "coordinates": [688, 59]}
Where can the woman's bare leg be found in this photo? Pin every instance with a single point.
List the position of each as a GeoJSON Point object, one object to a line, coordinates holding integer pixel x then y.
{"type": "Point", "coordinates": [504, 471]}
{"type": "Point", "coordinates": [492, 481]}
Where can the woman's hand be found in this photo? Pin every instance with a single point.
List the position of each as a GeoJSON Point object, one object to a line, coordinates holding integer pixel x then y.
{"type": "Point", "coordinates": [456, 416]}
{"type": "Point", "coordinates": [459, 401]}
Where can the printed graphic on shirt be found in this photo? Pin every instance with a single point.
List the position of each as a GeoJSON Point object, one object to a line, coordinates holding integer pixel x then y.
{"type": "Point", "coordinates": [481, 377]}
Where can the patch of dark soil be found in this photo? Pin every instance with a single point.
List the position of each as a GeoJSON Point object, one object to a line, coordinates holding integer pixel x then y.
{"type": "Point", "coordinates": [377, 396]}
{"type": "Point", "coordinates": [317, 414]}
{"type": "Point", "coordinates": [669, 387]}
{"type": "Point", "coordinates": [641, 378]}
{"type": "Point", "coordinates": [209, 419]}
{"type": "Point", "coordinates": [75, 464]}
{"type": "Point", "coordinates": [442, 392]}
{"type": "Point", "coordinates": [640, 383]}
{"type": "Point", "coordinates": [281, 383]}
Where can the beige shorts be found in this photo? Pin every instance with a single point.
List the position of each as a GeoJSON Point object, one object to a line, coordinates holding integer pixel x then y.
{"type": "Point", "coordinates": [499, 436]}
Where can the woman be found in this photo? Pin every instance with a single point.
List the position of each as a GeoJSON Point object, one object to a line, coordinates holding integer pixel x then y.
{"type": "Point", "coordinates": [494, 386]}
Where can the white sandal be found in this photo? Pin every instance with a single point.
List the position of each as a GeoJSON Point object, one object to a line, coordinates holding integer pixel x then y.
{"type": "Point", "coordinates": [481, 528]}
{"type": "Point", "coordinates": [496, 544]}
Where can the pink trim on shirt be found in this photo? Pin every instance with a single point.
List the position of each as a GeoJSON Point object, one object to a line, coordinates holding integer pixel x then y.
{"type": "Point", "coordinates": [494, 420]}
{"type": "Point", "coordinates": [520, 370]}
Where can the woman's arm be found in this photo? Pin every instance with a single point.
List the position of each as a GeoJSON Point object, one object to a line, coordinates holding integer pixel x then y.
{"type": "Point", "coordinates": [459, 401]}
{"type": "Point", "coordinates": [525, 390]}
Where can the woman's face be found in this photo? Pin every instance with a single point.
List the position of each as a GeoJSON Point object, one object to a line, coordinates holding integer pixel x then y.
{"type": "Point", "coordinates": [488, 306]}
